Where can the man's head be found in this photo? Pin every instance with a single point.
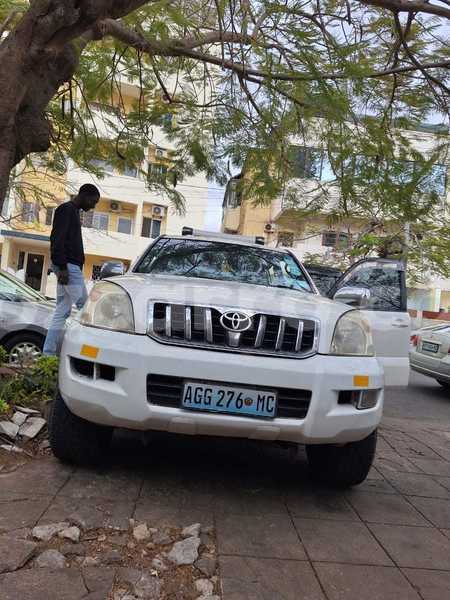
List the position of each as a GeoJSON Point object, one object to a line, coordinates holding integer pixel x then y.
{"type": "Point", "coordinates": [87, 197]}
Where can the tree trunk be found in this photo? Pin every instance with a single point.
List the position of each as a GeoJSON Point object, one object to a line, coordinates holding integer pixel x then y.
{"type": "Point", "coordinates": [36, 58]}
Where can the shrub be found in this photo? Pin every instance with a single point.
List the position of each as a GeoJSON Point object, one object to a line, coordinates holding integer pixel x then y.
{"type": "Point", "coordinates": [4, 407]}
{"type": "Point", "coordinates": [32, 386]}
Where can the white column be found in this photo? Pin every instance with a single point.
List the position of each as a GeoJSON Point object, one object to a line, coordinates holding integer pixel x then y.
{"type": "Point", "coordinates": [138, 220]}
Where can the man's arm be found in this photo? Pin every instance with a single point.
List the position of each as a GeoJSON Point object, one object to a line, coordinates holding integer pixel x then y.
{"type": "Point", "coordinates": [58, 237]}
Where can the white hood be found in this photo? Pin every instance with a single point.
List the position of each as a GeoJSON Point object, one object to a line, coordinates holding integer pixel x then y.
{"type": "Point", "coordinates": [229, 294]}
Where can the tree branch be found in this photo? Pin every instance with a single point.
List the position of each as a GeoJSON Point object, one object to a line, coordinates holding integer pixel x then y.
{"type": "Point", "coordinates": [415, 6]}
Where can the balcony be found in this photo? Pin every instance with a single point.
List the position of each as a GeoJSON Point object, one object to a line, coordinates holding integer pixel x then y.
{"type": "Point", "coordinates": [111, 243]}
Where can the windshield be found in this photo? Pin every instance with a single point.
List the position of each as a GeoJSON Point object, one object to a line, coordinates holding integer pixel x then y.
{"type": "Point", "coordinates": [224, 262]}
{"type": "Point", "coordinates": [15, 291]}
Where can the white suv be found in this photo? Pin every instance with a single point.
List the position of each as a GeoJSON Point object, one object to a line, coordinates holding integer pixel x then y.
{"type": "Point", "coordinates": [217, 335]}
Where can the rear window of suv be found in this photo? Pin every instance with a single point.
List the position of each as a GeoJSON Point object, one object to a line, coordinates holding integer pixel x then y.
{"type": "Point", "coordinates": [224, 262]}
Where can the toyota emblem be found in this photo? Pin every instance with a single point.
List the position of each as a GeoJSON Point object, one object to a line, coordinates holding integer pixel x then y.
{"type": "Point", "coordinates": [235, 321]}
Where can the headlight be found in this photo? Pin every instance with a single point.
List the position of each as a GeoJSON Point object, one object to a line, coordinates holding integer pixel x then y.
{"type": "Point", "coordinates": [108, 307]}
{"type": "Point", "coordinates": [352, 336]}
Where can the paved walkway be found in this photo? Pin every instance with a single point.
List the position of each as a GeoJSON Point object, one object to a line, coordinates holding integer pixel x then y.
{"type": "Point", "coordinates": [278, 536]}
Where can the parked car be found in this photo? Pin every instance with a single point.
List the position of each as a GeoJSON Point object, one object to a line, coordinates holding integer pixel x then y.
{"type": "Point", "coordinates": [430, 353]}
{"type": "Point", "coordinates": [324, 277]}
{"type": "Point", "coordinates": [25, 315]}
{"type": "Point", "coordinates": [217, 335]}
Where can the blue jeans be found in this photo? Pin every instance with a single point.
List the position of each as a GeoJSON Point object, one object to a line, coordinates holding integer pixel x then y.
{"type": "Point", "coordinates": [66, 296]}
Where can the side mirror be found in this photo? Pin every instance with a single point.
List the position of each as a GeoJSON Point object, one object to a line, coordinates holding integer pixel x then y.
{"type": "Point", "coordinates": [355, 296]}
{"type": "Point", "coordinates": [112, 269]}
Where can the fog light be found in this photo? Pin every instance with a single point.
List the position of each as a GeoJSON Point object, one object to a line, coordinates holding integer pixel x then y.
{"type": "Point", "coordinates": [360, 399]}
{"type": "Point", "coordinates": [367, 399]}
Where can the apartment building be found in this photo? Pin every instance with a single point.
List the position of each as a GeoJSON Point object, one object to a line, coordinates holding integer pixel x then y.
{"type": "Point", "coordinates": [126, 219]}
{"type": "Point", "coordinates": [313, 237]}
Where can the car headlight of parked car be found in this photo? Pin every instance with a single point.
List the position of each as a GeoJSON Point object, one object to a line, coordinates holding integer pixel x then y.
{"type": "Point", "coordinates": [108, 307]}
{"type": "Point", "coordinates": [352, 336]}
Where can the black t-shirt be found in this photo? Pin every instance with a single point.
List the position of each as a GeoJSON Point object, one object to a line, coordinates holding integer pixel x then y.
{"type": "Point", "coordinates": [66, 242]}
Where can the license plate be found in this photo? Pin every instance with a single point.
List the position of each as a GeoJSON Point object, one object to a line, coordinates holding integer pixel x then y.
{"type": "Point", "coordinates": [234, 400]}
{"type": "Point", "coordinates": [430, 347]}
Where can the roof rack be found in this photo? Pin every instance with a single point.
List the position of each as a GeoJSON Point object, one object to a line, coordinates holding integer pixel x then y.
{"type": "Point", "coordinates": [228, 237]}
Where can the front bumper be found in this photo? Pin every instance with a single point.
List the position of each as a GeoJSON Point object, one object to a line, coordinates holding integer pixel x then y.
{"type": "Point", "coordinates": [438, 368]}
{"type": "Point", "coordinates": [123, 402]}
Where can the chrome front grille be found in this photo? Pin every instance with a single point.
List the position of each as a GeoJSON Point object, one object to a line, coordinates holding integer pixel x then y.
{"type": "Point", "coordinates": [203, 327]}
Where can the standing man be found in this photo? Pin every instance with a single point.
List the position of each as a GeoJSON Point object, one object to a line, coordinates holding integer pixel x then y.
{"type": "Point", "coordinates": [67, 254]}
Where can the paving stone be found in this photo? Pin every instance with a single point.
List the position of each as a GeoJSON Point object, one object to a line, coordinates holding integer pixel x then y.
{"type": "Point", "coordinates": [90, 513]}
{"type": "Point", "coordinates": [19, 418]}
{"type": "Point", "coordinates": [71, 533]}
{"type": "Point", "coordinates": [167, 516]}
{"type": "Point", "coordinates": [386, 508]}
{"type": "Point", "coordinates": [207, 565]}
{"type": "Point", "coordinates": [98, 581]}
{"type": "Point", "coordinates": [32, 427]}
{"type": "Point", "coordinates": [445, 481]}
{"type": "Point", "coordinates": [148, 587]}
{"type": "Point", "coordinates": [414, 449]}
{"type": "Point", "coordinates": [192, 530]}
{"type": "Point", "coordinates": [433, 467]}
{"type": "Point", "coordinates": [339, 541]}
{"type": "Point", "coordinates": [431, 585]}
{"type": "Point", "coordinates": [41, 584]}
{"type": "Point", "coordinates": [271, 537]}
{"type": "Point", "coordinates": [321, 505]}
{"type": "Point", "coordinates": [111, 557]}
{"type": "Point", "coordinates": [415, 484]}
{"type": "Point", "coordinates": [267, 579]}
{"type": "Point", "coordinates": [112, 484]}
{"type": "Point", "coordinates": [435, 509]}
{"type": "Point", "coordinates": [375, 486]}
{"type": "Point", "coordinates": [14, 553]}
{"type": "Point", "coordinates": [17, 514]}
{"type": "Point", "coordinates": [396, 464]}
{"type": "Point", "coordinates": [28, 411]}
{"type": "Point", "coordinates": [40, 477]}
{"type": "Point", "coordinates": [355, 582]}
{"type": "Point", "coordinates": [205, 587]}
{"type": "Point", "coordinates": [45, 533]}
{"type": "Point", "coordinates": [249, 502]}
{"type": "Point", "coordinates": [141, 532]}
{"type": "Point", "coordinates": [51, 559]}
{"type": "Point", "coordinates": [73, 549]}
{"type": "Point", "coordinates": [9, 429]}
{"type": "Point", "coordinates": [420, 547]}
{"type": "Point", "coordinates": [185, 552]}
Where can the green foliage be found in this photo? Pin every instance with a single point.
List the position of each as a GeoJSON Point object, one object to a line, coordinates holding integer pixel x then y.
{"type": "Point", "coordinates": [3, 356]}
{"type": "Point", "coordinates": [4, 407]}
{"type": "Point", "coordinates": [32, 386]}
{"type": "Point", "coordinates": [226, 106]}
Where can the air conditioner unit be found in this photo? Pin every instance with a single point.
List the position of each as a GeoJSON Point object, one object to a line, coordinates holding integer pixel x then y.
{"type": "Point", "coordinates": [269, 227]}
{"type": "Point", "coordinates": [159, 211]}
{"type": "Point", "coordinates": [114, 206]}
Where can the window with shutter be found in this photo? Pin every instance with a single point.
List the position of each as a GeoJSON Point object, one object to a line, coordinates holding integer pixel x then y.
{"type": "Point", "coordinates": [100, 221]}
{"type": "Point", "coordinates": [124, 225]}
{"type": "Point", "coordinates": [86, 218]}
{"type": "Point", "coordinates": [29, 210]}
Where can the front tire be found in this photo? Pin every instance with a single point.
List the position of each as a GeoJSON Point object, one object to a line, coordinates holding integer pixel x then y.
{"type": "Point", "coordinates": [444, 384]}
{"type": "Point", "coordinates": [75, 440]}
{"type": "Point", "coordinates": [343, 466]}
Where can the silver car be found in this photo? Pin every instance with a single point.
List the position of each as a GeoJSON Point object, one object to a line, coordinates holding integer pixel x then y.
{"type": "Point", "coordinates": [25, 315]}
{"type": "Point", "coordinates": [430, 353]}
